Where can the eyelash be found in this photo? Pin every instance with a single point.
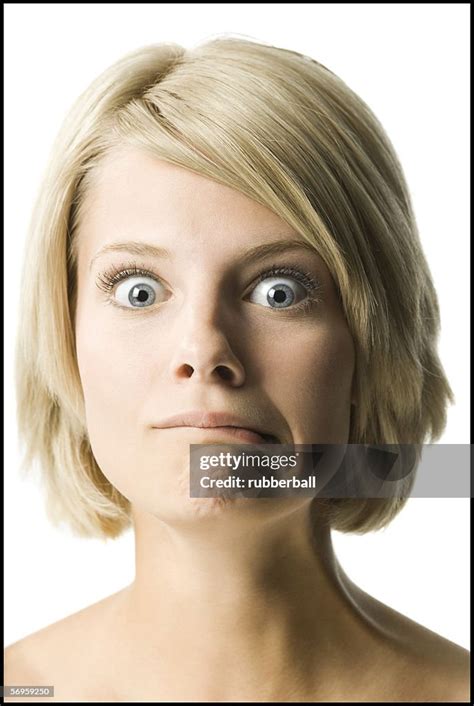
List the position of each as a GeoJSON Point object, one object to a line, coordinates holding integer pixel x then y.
{"type": "Point", "coordinates": [110, 278]}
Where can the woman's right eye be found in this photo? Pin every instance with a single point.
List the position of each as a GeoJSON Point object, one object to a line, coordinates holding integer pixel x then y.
{"type": "Point", "coordinates": [137, 292]}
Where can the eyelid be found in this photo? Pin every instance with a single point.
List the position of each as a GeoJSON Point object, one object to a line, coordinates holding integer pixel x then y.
{"type": "Point", "coordinates": [289, 271]}
{"type": "Point", "coordinates": [109, 278]}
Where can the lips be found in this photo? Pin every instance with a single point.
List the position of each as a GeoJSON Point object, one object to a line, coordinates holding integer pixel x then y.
{"type": "Point", "coordinates": [222, 422]}
{"type": "Point", "coordinates": [238, 434]}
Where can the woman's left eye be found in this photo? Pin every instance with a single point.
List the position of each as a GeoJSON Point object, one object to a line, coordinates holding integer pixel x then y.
{"type": "Point", "coordinates": [278, 292]}
{"type": "Point", "coordinates": [287, 287]}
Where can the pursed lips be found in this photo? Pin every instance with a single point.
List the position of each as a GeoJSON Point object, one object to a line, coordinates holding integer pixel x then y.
{"type": "Point", "coordinates": [221, 422]}
{"type": "Point", "coordinates": [225, 422]}
{"type": "Point", "coordinates": [239, 433]}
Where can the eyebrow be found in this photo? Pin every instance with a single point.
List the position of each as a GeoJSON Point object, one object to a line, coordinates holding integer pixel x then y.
{"type": "Point", "coordinates": [254, 254]}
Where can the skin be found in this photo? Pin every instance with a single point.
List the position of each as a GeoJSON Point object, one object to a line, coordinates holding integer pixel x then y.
{"type": "Point", "coordinates": [242, 599]}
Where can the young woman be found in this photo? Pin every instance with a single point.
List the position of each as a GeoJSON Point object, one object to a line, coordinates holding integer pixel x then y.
{"type": "Point", "coordinates": [224, 249]}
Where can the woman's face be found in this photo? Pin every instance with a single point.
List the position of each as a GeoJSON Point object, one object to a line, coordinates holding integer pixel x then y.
{"type": "Point", "coordinates": [198, 331]}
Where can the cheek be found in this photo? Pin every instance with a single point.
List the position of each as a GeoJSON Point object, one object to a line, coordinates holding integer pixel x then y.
{"type": "Point", "coordinates": [111, 355]}
{"type": "Point", "coordinates": [113, 373]}
{"type": "Point", "coordinates": [313, 382]}
{"type": "Point", "coordinates": [332, 362]}
{"type": "Point", "coordinates": [113, 378]}
{"type": "Point", "coordinates": [322, 360]}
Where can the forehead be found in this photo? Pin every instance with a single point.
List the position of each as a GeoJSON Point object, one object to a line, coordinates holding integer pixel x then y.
{"type": "Point", "coordinates": [199, 224]}
{"type": "Point", "coordinates": [135, 196]}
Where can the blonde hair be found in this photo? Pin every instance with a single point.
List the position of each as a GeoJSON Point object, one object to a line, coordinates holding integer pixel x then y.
{"type": "Point", "coordinates": [283, 129]}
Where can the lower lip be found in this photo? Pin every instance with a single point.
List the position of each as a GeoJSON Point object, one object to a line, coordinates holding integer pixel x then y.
{"type": "Point", "coordinates": [236, 433]}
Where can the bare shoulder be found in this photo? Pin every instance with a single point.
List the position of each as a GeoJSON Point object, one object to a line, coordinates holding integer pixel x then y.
{"type": "Point", "coordinates": [427, 666]}
{"type": "Point", "coordinates": [61, 653]}
{"type": "Point", "coordinates": [19, 669]}
{"type": "Point", "coordinates": [444, 671]}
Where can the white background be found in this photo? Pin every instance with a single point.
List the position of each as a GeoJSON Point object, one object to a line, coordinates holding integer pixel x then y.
{"type": "Point", "coordinates": [409, 62]}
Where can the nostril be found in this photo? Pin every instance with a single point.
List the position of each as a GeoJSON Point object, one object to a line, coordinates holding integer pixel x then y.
{"type": "Point", "coordinates": [224, 372]}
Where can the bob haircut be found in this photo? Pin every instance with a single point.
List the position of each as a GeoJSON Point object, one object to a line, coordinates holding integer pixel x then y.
{"type": "Point", "coordinates": [284, 130]}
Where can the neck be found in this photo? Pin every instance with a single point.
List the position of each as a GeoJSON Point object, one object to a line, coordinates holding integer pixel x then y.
{"type": "Point", "coordinates": [242, 609]}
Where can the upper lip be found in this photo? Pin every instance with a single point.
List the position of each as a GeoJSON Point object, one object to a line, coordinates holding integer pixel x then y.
{"type": "Point", "coordinates": [207, 419]}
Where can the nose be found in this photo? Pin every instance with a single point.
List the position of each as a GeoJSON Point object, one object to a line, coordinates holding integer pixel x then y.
{"type": "Point", "coordinates": [204, 353]}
